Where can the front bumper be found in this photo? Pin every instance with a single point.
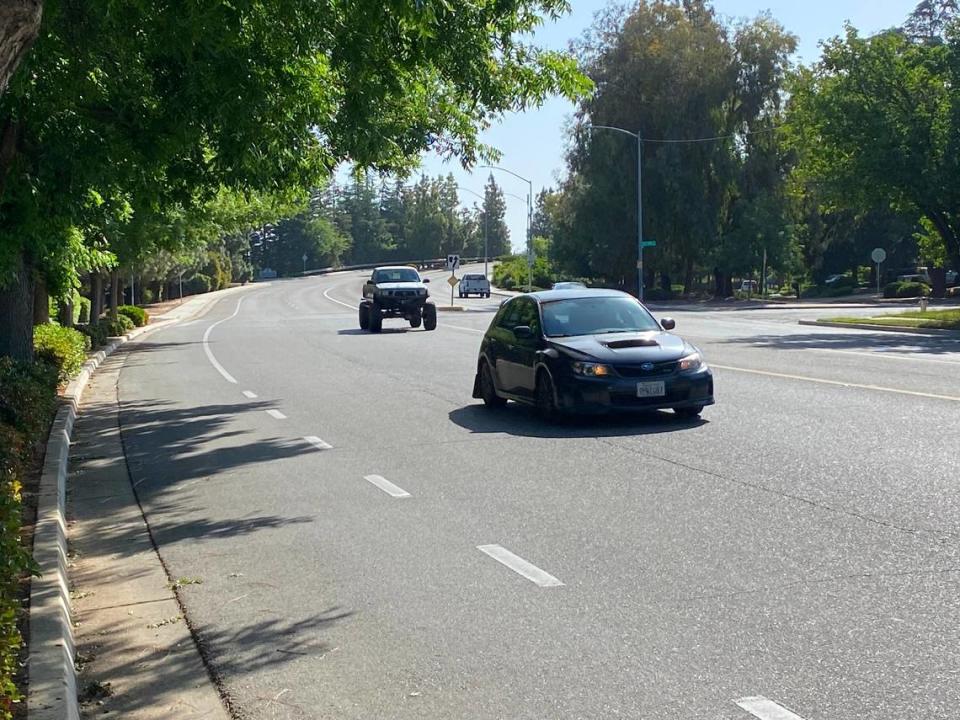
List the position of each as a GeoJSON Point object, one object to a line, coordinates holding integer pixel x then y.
{"type": "Point", "coordinates": [602, 395]}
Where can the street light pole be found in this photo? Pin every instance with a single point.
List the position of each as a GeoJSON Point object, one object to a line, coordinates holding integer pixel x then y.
{"type": "Point", "coordinates": [486, 231]}
{"type": "Point", "coordinates": [639, 140]}
{"type": "Point", "coordinates": [529, 219]}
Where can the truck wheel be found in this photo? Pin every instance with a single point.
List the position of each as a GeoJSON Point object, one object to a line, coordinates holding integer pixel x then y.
{"type": "Point", "coordinates": [429, 317]}
{"type": "Point", "coordinates": [376, 318]}
{"type": "Point", "coordinates": [364, 317]}
{"type": "Point", "coordinates": [415, 320]}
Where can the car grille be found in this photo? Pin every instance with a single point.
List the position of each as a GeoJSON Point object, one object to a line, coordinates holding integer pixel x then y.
{"type": "Point", "coordinates": [636, 371]}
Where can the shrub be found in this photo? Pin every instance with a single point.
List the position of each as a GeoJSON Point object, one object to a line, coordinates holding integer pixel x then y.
{"type": "Point", "coordinates": [139, 316]}
{"type": "Point", "coordinates": [657, 294]}
{"type": "Point", "coordinates": [28, 401]}
{"type": "Point", "coordinates": [117, 326]}
{"type": "Point", "coordinates": [901, 289]}
{"type": "Point", "coordinates": [199, 283]}
{"type": "Point", "coordinates": [97, 332]}
{"type": "Point", "coordinates": [62, 347]}
{"type": "Point", "coordinates": [147, 295]}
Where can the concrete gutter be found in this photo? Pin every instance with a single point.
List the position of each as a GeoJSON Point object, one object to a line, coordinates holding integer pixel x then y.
{"type": "Point", "coordinates": [931, 332]}
{"type": "Point", "coordinates": [52, 690]}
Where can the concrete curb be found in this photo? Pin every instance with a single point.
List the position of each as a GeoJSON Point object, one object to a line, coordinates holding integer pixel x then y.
{"type": "Point", "coordinates": [52, 690]}
{"type": "Point", "coordinates": [930, 332]}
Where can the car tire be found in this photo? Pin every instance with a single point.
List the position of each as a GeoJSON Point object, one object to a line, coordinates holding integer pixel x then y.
{"type": "Point", "coordinates": [688, 413]}
{"type": "Point", "coordinates": [376, 318]}
{"type": "Point", "coordinates": [545, 396]}
{"type": "Point", "coordinates": [488, 390]}
{"type": "Point", "coordinates": [364, 317]}
{"type": "Point", "coordinates": [429, 317]}
{"type": "Point", "coordinates": [416, 320]}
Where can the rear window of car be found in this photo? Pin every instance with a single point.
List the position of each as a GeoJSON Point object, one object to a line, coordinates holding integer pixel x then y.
{"type": "Point", "coordinates": [473, 277]}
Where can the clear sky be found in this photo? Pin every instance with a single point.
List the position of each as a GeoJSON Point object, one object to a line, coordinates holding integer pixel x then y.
{"type": "Point", "coordinates": [532, 142]}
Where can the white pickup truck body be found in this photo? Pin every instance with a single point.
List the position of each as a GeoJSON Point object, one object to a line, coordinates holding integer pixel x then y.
{"type": "Point", "coordinates": [474, 284]}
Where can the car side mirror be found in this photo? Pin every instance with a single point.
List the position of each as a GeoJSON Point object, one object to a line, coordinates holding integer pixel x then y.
{"type": "Point", "coordinates": [426, 280]}
{"type": "Point", "coordinates": [668, 323]}
{"type": "Point", "coordinates": [523, 332]}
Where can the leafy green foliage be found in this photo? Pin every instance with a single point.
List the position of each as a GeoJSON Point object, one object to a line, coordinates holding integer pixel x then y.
{"type": "Point", "coordinates": [96, 331]}
{"type": "Point", "coordinates": [511, 273]}
{"type": "Point", "coordinates": [875, 123]}
{"type": "Point", "coordinates": [27, 403]}
{"type": "Point", "coordinates": [139, 316]}
{"type": "Point", "coordinates": [902, 289]}
{"type": "Point", "coordinates": [64, 348]}
{"type": "Point", "coordinates": [117, 326]}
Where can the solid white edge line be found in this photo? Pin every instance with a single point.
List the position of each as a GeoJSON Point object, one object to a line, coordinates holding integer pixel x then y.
{"type": "Point", "coordinates": [276, 414]}
{"type": "Point", "coordinates": [520, 566]}
{"type": "Point", "coordinates": [206, 344]}
{"type": "Point", "coordinates": [250, 395]}
{"type": "Point", "coordinates": [840, 383]}
{"type": "Point", "coordinates": [318, 443]}
{"type": "Point", "coordinates": [326, 294]}
{"type": "Point", "coordinates": [388, 487]}
{"type": "Point", "coordinates": [764, 709]}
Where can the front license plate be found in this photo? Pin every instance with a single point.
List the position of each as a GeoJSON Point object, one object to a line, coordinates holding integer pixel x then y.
{"type": "Point", "coordinates": [651, 389]}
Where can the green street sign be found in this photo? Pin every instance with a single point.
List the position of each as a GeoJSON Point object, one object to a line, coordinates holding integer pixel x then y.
{"type": "Point", "coordinates": [648, 243]}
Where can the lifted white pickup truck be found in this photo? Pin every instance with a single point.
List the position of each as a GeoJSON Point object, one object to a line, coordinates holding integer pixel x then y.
{"type": "Point", "coordinates": [474, 284]}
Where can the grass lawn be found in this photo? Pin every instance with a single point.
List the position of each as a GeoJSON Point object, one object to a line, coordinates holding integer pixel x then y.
{"type": "Point", "coordinates": [938, 319]}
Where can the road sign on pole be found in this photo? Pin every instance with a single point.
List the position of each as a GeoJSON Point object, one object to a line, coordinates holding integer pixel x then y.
{"type": "Point", "coordinates": [649, 243]}
{"type": "Point", "coordinates": [453, 280]}
{"type": "Point", "coordinates": [878, 256]}
{"type": "Point", "coordinates": [453, 262]}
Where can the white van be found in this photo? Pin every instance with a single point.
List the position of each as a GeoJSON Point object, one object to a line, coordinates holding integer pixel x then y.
{"type": "Point", "coordinates": [474, 284]}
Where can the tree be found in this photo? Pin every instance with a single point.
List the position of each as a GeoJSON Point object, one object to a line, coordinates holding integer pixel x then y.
{"type": "Point", "coordinates": [700, 93]}
{"type": "Point", "coordinates": [930, 20]}
{"type": "Point", "coordinates": [491, 219]}
{"type": "Point", "coordinates": [875, 124]}
{"type": "Point", "coordinates": [19, 25]}
{"type": "Point", "coordinates": [152, 106]}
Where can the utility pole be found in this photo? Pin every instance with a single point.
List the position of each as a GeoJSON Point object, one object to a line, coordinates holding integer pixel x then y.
{"type": "Point", "coordinates": [529, 219]}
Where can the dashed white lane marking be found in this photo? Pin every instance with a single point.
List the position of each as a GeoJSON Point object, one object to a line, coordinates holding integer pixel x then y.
{"type": "Point", "coordinates": [276, 414]}
{"type": "Point", "coordinates": [249, 394]}
{"type": "Point", "coordinates": [318, 443]}
{"type": "Point", "coordinates": [206, 344]}
{"type": "Point", "coordinates": [765, 709]}
{"type": "Point", "coordinates": [461, 327]}
{"type": "Point", "coordinates": [840, 383]}
{"type": "Point", "coordinates": [388, 487]}
{"type": "Point", "coordinates": [520, 566]}
{"type": "Point", "coordinates": [326, 294]}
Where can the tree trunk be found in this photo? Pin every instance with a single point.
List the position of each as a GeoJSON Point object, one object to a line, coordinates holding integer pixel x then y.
{"type": "Point", "coordinates": [65, 311]}
{"type": "Point", "coordinates": [41, 302]}
{"type": "Point", "coordinates": [96, 297]}
{"type": "Point", "coordinates": [115, 290]}
{"type": "Point", "coordinates": [19, 25]}
{"type": "Point", "coordinates": [688, 276]}
{"type": "Point", "coordinates": [16, 313]}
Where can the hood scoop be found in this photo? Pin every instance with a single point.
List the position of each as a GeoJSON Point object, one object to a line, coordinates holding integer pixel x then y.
{"type": "Point", "coordinates": [632, 343]}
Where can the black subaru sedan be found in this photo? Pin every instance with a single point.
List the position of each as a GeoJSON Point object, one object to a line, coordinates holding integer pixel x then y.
{"type": "Point", "coordinates": [589, 351]}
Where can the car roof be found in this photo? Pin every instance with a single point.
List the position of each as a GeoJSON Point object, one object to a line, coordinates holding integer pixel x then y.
{"type": "Point", "coordinates": [574, 294]}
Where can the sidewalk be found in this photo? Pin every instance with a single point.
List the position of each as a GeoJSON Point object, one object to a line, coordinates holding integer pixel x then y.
{"type": "Point", "coordinates": [137, 657]}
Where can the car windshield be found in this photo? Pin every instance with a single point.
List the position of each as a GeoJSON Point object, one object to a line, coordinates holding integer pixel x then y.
{"type": "Point", "coordinates": [394, 275]}
{"type": "Point", "coordinates": [596, 316]}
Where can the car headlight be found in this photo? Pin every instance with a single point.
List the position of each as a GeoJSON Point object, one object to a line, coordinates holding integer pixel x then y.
{"type": "Point", "coordinates": [592, 369]}
{"type": "Point", "coordinates": [691, 362]}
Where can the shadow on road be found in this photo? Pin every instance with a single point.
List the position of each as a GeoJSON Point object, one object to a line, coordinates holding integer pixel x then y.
{"type": "Point", "coordinates": [851, 341]}
{"type": "Point", "coordinates": [523, 421]}
{"type": "Point", "coordinates": [385, 331]}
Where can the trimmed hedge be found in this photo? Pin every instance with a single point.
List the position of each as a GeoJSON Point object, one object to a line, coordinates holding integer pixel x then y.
{"type": "Point", "coordinates": [28, 401]}
{"type": "Point", "coordinates": [97, 332]}
{"type": "Point", "coordinates": [64, 348]}
{"type": "Point", "coordinates": [115, 327]}
{"type": "Point", "coordinates": [901, 289]}
{"type": "Point", "coordinates": [138, 315]}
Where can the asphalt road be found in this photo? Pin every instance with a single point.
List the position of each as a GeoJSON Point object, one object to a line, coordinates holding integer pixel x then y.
{"type": "Point", "coordinates": [359, 538]}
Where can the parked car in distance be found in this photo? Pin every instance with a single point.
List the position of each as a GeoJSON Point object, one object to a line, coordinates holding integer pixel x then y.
{"type": "Point", "coordinates": [474, 284]}
{"type": "Point", "coordinates": [568, 285]}
{"type": "Point", "coordinates": [749, 286]}
{"type": "Point", "coordinates": [588, 351]}
{"type": "Point", "coordinates": [833, 279]}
